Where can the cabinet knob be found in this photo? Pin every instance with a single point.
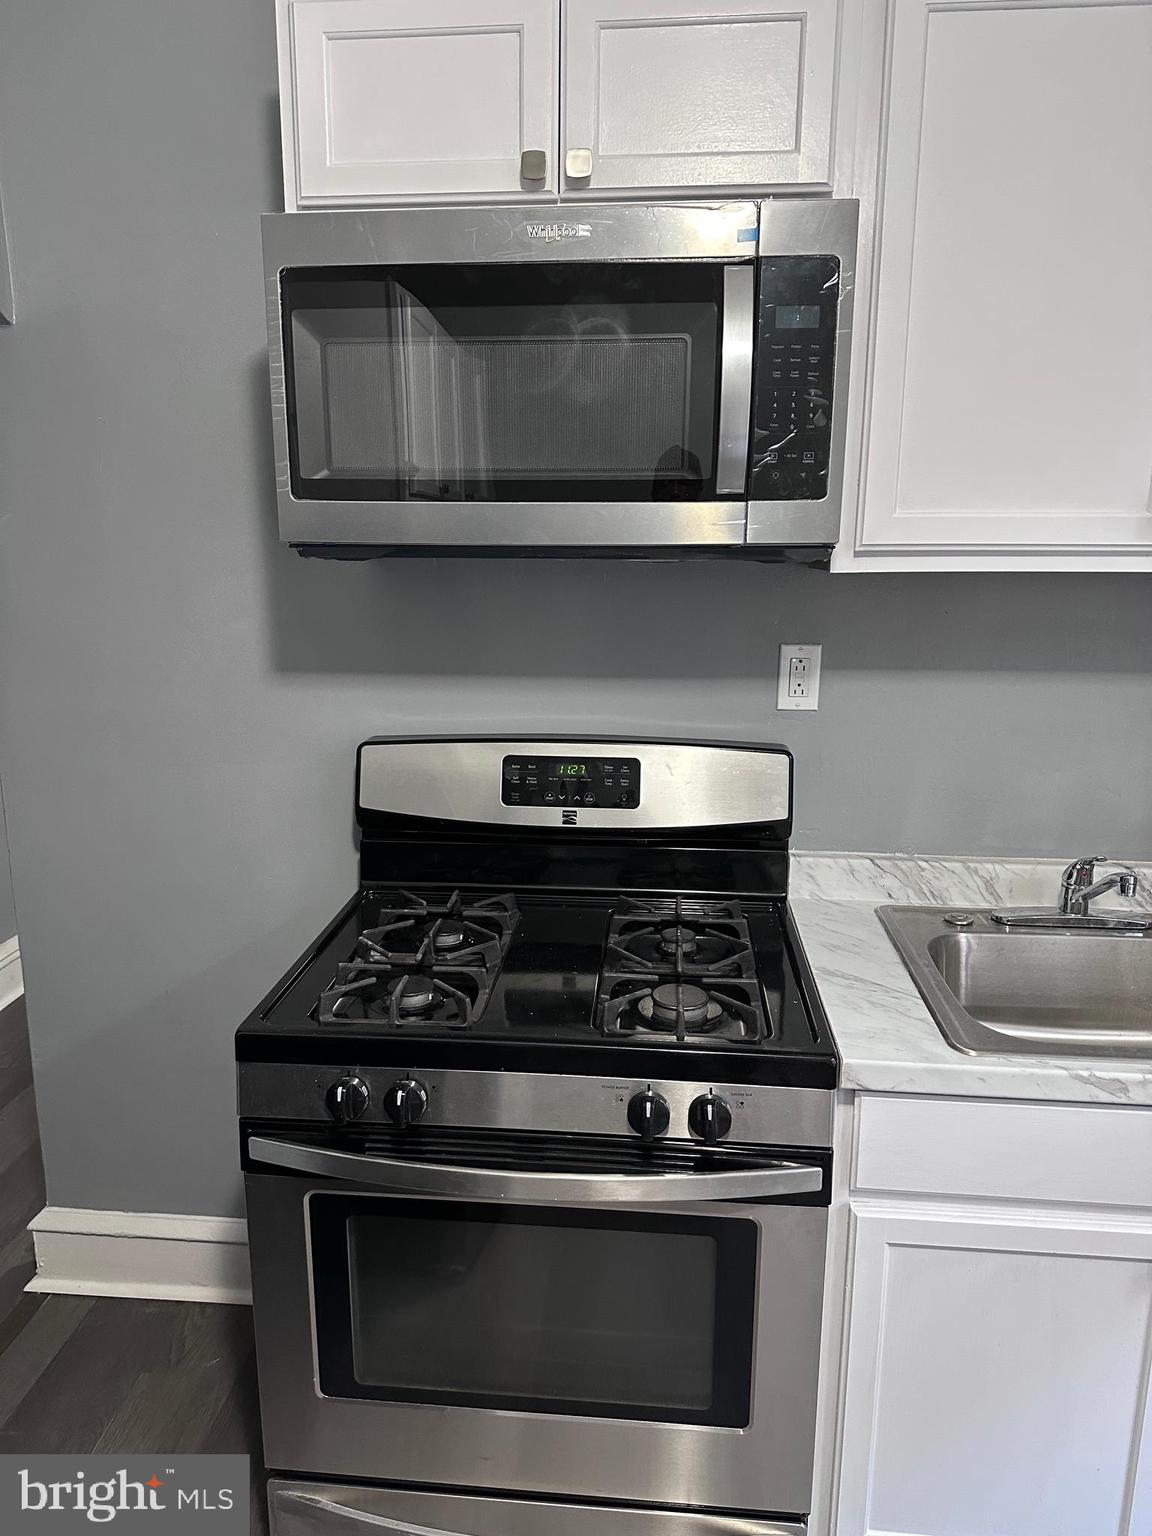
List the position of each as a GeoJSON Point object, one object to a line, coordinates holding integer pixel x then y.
{"type": "Point", "coordinates": [533, 165]}
{"type": "Point", "coordinates": [578, 164]}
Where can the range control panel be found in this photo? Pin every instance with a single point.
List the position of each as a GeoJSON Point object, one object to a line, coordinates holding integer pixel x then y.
{"type": "Point", "coordinates": [795, 366]}
{"type": "Point", "coordinates": [612, 783]}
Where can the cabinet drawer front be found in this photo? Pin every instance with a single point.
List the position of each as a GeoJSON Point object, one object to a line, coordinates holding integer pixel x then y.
{"type": "Point", "coordinates": [1000, 1149]}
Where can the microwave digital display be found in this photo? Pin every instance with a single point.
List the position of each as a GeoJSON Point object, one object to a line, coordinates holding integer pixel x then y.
{"type": "Point", "coordinates": [797, 317]}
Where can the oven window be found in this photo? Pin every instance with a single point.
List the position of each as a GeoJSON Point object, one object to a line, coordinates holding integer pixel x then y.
{"type": "Point", "coordinates": [534, 382]}
{"type": "Point", "coordinates": [608, 1314]}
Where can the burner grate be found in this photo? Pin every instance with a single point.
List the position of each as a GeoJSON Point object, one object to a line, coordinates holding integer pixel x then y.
{"type": "Point", "coordinates": [422, 962]}
{"type": "Point", "coordinates": [682, 969]}
{"type": "Point", "coordinates": [444, 998]}
{"type": "Point", "coordinates": [634, 1006]}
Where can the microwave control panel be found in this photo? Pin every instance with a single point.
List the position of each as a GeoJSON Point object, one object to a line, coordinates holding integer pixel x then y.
{"type": "Point", "coordinates": [608, 783]}
{"type": "Point", "coordinates": [795, 367]}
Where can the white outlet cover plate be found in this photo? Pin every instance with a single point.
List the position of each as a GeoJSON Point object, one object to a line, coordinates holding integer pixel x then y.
{"type": "Point", "coordinates": [788, 654]}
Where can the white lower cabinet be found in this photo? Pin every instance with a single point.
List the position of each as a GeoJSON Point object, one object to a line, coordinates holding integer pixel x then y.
{"type": "Point", "coordinates": [997, 1374]}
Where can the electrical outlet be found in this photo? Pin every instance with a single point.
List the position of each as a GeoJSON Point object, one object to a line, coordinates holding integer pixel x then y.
{"type": "Point", "coordinates": [799, 682]}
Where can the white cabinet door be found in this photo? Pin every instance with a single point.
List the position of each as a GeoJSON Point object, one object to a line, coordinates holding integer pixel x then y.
{"type": "Point", "coordinates": [417, 100]}
{"type": "Point", "coordinates": [726, 96]}
{"type": "Point", "coordinates": [997, 1377]}
{"type": "Point", "coordinates": [1011, 346]}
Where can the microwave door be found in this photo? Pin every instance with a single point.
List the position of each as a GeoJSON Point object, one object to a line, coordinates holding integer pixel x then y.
{"type": "Point", "coordinates": [585, 405]}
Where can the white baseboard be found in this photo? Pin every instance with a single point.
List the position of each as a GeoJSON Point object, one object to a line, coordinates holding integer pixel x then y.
{"type": "Point", "coordinates": [11, 975]}
{"type": "Point", "coordinates": [141, 1253]}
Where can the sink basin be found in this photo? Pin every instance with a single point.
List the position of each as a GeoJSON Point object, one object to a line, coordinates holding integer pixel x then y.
{"type": "Point", "coordinates": [997, 991]}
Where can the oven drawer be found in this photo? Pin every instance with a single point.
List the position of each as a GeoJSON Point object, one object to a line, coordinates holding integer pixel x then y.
{"type": "Point", "coordinates": [335, 1509]}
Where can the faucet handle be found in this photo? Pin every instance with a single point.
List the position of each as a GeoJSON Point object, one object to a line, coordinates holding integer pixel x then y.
{"type": "Point", "coordinates": [1082, 872]}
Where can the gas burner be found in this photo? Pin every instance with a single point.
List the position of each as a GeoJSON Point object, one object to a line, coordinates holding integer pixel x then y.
{"type": "Point", "coordinates": [415, 994]}
{"type": "Point", "coordinates": [700, 939]}
{"type": "Point", "coordinates": [445, 999]}
{"type": "Point", "coordinates": [666, 1004]}
{"type": "Point", "coordinates": [636, 1007]}
{"type": "Point", "coordinates": [677, 939]}
{"type": "Point", "coordinates": [448, 935]}
{"type": "Point", "coordinates": [411, 931]}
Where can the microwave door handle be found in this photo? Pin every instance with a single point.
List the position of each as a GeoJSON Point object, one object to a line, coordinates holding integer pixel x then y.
{"type": "Point", "coordinates": [735, 424]}
{"type": "Point", "coordinates": [465, 1183]}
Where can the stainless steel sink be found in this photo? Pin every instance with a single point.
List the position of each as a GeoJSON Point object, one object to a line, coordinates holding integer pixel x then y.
{"type": "Point", "coordinates": [993, 990]}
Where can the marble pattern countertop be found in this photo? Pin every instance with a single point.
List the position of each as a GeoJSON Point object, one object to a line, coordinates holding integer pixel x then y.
{"type": "Point", "coordinates": [887, 1039]}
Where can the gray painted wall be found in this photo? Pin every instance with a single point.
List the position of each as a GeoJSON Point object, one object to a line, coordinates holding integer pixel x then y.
{"type": "Point", "coordinates": [181, 698]}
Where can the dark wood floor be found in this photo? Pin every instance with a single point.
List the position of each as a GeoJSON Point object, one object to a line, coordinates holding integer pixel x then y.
{"type": "Point", "coordinates": [89, 1374]}
{"type": "Point", "coordinates": [81, 1373]}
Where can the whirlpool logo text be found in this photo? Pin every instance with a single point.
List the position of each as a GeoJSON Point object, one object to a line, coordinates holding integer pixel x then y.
{"type": "Point", "coordinates": [552, 232]}
{"type": "Point", "coordinates": [208, 1494]}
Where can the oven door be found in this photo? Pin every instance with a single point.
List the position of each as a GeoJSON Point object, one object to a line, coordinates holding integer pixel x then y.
{"type": "Point", "coordinates": [560, 1330]}
{"type": "Point", "coordinates": [451, 387]}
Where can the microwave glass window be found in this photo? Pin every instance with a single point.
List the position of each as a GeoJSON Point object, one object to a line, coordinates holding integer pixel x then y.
{"type": "Point", "coordinates": [634, 1316]}
{"type": "Point", "coordinates": [509, 383]}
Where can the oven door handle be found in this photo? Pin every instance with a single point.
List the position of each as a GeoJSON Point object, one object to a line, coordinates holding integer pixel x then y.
{"type": "Point", "coordinates": [465, 1183]}
{"type": "Point", "coordinates": [736, 345]}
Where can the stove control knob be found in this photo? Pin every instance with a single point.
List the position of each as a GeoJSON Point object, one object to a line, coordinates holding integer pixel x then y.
{"type": "Point", "coordinates": [406, 1102]}
{"type": "Point", "coordinates": [348, 1098]}
{"type": "Point", "coordinates": [648, 1114]}
{"type": "Point", "coordinates": [709, 1117]}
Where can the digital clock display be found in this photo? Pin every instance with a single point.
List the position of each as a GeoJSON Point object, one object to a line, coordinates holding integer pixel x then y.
{"type": "Point", "coordinates": [572, 770]}
{"type": "Point", "coordinates": [797, 317]}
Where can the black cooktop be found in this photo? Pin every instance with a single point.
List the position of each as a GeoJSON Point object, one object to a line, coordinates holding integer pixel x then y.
{"type": "Point", "coordinates": [439, 977]}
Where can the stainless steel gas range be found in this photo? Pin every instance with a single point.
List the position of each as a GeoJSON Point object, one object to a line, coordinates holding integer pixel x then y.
{"type": "Point", "coordinates": [537, 1143]}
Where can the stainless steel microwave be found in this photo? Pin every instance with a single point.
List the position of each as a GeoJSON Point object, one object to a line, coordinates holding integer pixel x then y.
{"type": "Point", "coordinates": [591, 380]}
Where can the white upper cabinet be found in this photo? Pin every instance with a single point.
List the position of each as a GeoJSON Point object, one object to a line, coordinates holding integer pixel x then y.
{"type": "Point", "coordinates": [461, 101]}
{"type": "Point", "coordinates": [1010, 367]}
{"type": "Point", "coordinates": [689, 96]}
{"type": "Point", "coordinates": [418, 100]}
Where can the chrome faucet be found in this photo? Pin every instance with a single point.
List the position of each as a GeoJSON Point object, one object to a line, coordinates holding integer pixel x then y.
{"type": "Point", "coordinates": [1079, 886]}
